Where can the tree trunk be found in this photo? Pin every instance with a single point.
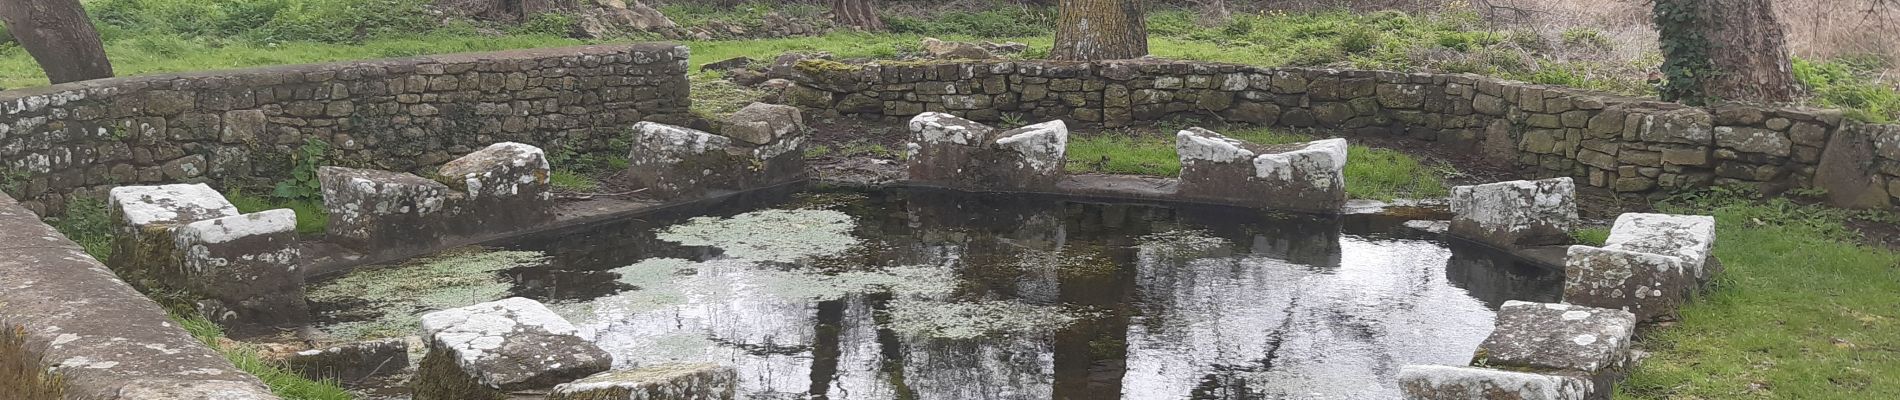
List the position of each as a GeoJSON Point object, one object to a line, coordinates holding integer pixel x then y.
{"type": "Point", "coordinates": [1732, 50]}
{"type": "Point", "coordinates": [860, 14]}
{"type": "Point", "coordinates": [59, 36]}
{"type": "Point", "coordinates": [1100, 30]}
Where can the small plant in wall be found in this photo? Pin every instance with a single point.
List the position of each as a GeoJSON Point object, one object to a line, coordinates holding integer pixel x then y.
{"type": "Point", "coordinates": [302, 185]}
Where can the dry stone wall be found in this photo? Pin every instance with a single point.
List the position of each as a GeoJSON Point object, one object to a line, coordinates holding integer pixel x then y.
{"type": "Point", "coordinates": [1625, 144]}
{"type": "Point", "coordinates": [81, 139]}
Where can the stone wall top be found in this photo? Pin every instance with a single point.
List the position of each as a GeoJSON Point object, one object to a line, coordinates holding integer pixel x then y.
{"type": "Point", "coordinates": [104, 339]}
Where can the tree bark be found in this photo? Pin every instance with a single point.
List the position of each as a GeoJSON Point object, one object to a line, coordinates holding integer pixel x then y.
{"type": "Point", "coordinates": [59, 36]}
{"type": "Point", "coordinates": [1100, 30]}
{"type": "Point", "coordinates": [860, 14]}
{"type": "Point", "coordinates": [1744, 46]}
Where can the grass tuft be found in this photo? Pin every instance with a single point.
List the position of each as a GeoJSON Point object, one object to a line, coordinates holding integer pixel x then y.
{"type": "Point", "coordinates": [282, 382]}
{"type": "Point", "coordinates": [312, 218]}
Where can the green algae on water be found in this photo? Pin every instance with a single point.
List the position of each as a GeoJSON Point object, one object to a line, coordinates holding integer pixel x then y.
{"type": "Point", "coordinates": [769, 235]}
{"type": "Point", "coordinates": [395, 297]}
{"type": "Point", "coordinates": [1183, 243]}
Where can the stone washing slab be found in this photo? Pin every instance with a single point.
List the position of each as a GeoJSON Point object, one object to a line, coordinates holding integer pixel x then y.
{"type": "Point", "coordinates": [1438, 382]}
{"type": "Point", "coordinates": [78, 320]}
{"type": "Point", "coordinates": [505, 187]}
{"type": "Point", "coordinates": [674, 162]}
{"type": "Point", "coordinates": [660, 382]}
{"type": "Point", "coordinates": [145, 216]}
{"type": "Point", "coordinates": [1308, 177]}
{"type": "Point", "coordinates": [1559, 337]}
{"type": "Point", "coordinates": [1689, 237]}
{"type": "Point", "coordinates": [1651, 286]}
{"type": "Point", "coordinates": [1515, 214]}
{"type": "Point", "coordinates": [246, 268]}
{"type": "Point", "coordinates": [485, 350]}
{"type": "Point", "coordinates": [947, 150]}
{"type": "Point", "coordinates": [380, 211]}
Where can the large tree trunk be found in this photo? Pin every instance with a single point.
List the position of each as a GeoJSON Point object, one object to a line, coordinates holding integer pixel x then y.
{"type": "Point", "coordinates": [860, 14]}
{"type": "Point", "coordinates": [1732, 50]}
{"type": "Point", "coordinates": [1100, 30]}
{"type": "Point", "coordinates": [59, 36]}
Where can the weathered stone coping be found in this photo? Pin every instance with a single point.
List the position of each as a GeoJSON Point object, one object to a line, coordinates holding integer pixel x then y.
{"type": "Point", "coordinates": [104, 339]}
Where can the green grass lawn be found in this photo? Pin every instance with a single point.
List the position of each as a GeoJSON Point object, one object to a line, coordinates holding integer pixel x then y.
{"type": "Point", "coordinates": [1371, 173]}
{"type": "Point", "coordinates": [1802, 313]}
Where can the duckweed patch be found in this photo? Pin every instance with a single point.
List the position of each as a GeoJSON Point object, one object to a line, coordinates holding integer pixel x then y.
{"type": "Point", "coordinates": [389, 301]}
{"type": "Point", "coordinates": [769, 235]}
{"type": "Point", "coordinates": [1182, 243]}
{"type": "Point", "coordinates": [977, 319]}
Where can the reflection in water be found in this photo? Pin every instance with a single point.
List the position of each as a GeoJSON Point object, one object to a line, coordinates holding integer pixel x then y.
{"type": "Point", "coordinates": [1099, 301]}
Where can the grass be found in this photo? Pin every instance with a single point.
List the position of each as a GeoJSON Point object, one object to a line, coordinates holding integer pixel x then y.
{"type": "Point", "coordinates": [87, 223]}
{"type": "Point", "coordinates": [1371, 173]}
{"type": "Point", "coordinates": [1802, 312]}
{"type": "Point", "coordinates": [312, 218]}
{"type": "Point", "coordinates": [571, 181]}
{"type": "Point", "coordinates": [284, 383]}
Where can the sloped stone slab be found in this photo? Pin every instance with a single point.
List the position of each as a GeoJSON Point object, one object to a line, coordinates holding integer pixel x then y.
{"type": "Point", "coordinates": [247, 264]}
{"type": "Point", "coordinates": [761, 123]}
{"type": "Point", "coordinates": [661, 382]}
{"type": "Point", "coordinates": [505, 187]}
{"type": "Point", "coordinates": [1651, 286]}
{"type": "Point", "coordinates": [1515, 214]}
{"type": "Point", "coordinates": [1307, 177]}
{"type": "Point", "coordinates": [381, 211]}
{"type": "Point", "coordinates": [349, 363]}
{"type": "Point", "coordinates": [950, 151]}
{"type": "Point", "coordinates": [1437, 382]}
{"type": "Point", "coordinates": [487, 350]}
{"type": "Point", "coordinates": [672, 162]}
{"type": "Point", "coordinates": [1583, 341]}
{"type": "Point", "coordinates": [1689, 237]}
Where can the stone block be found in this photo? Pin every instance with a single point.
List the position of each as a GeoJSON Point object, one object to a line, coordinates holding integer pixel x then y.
{"type": "Point", "coordinates": [760, 123]}
{"type": "Point", "coordinates": [245, 266]}
{"type": "Point", "coordinates": [1688, 126]}
{"type": "Point", "coordinates": [1515, 213]}
{"type": "Point", "coordinates": [351, 362]}
{"type": "Point", "coordinates": [954, 152]}
{"type": "Point", "coordinates": [484, 351]}
{"type": "Point", "coordinates": [660, 382]}
{"type": "Point", "coordinates": [380, 211]}
{"type": "Point", "coordinates": [1306, 177]}
{"type": "Point", "coordinates": [1651, 286]}
{"type": "Point", "coordinates": [1848, 170]}
{"type": "Point", "coordinates": [505, 187]}
{"type": "Point", "coordinates": [1689, 237]}
{"type": "Point", "coordinates": [673, 162]}
{"type": "Point", "coordinates": [1439, 382]}
{"type": "Point", "coordinates": [1565, 339]}
{"type": "Point", "coordinates": [1754, 140]}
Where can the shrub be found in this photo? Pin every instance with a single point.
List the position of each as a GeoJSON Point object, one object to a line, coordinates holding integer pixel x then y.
{"type": "Point", "coordinates": [1358, 40]}
{"type": "Point", "coordinates": [1315, 53]}
{"type": "Point", "coordinates": [1586, 37]}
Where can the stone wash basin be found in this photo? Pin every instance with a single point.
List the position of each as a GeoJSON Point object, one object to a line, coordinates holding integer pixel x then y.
{"type": "Point", "coordinates": [931, 294]}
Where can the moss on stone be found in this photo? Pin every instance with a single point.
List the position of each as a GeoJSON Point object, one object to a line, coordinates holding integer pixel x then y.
{"type": "Point", "coordinates": [23, 374]}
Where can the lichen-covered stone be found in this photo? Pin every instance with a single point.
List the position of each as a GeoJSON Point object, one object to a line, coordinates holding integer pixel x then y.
{"type": "Point", "coordinates": [660, 382]}
{"type": "Point", "coordinates": [1570, 339]}
{"type": "Point", "coordinates": [760, 123]}
{"type": "Point", "coordinates": [351, 362]}
{"type": "Point", "coordinates": [1515, 213]}
{"type": "Point", "coordinates": [672, 162]}
{"type": "Point", "coordinates": [1438, 382]}
{"type": "Point", "coordinates": [145, 216]}
{"type": "Point", "coordinates": [1307, 177]}
{"type": "Point", "coordinates": [247, 265]}
{"type": "Point", "coordinates": [1689, 237]}
{"type": "Point", "coordinates": [505, 187]}
{"type": "Point", "coordinates": [1651, 286]}
{"type": "Point", "coordinates": [382, 211]}
{"type": "Point", "coordinates": [484, 351]}
{"type": "Point", "coordinates": [950, 151]}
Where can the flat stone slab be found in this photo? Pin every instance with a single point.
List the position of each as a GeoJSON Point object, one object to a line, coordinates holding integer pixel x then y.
{"type": "Point", "coordinates": [661, 382]}
{"type": "Point", "coordinates": [1555, 336]}
{"type": "Point", "coordinates": [1308, 177]}
{"type": "Point", "coordinates": [1690, 237]}
{"type": "Point", "coordinates": [351, 362]}
{"type": "Point", "coordinates": [505, 186]}
{"type": "Point", "coordinates": [380, 210]}
{"type": "Point", "coordinates": [1515, 213]}
{"type": "Point", "coordinates": [946, 150]}
{"type": "Point", "coordinates": [1651, 286]}
{"type": "Point", "coordinates": [146, 215]}
{"type": "Point", "coordinates": [1438, 382]}
{"type": "Point", "coordinates": [486, 350]}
